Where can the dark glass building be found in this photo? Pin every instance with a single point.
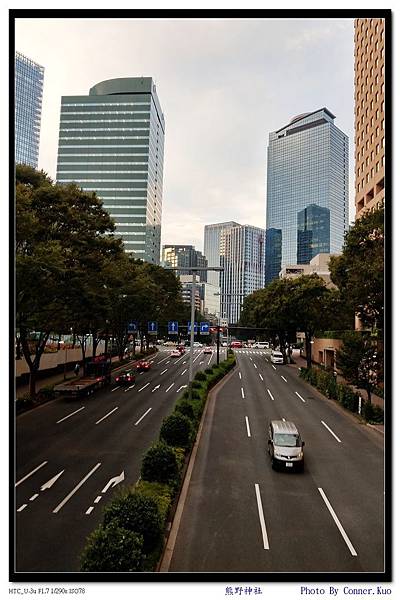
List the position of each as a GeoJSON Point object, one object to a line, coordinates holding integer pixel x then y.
{"type": "Point", "coordinates": [112, 142]}
{"type": "Point", "coordinates": [28, 109]}
{"type": "Point", "coordinates": [184, 256]}
{"type": "Point", "coordinates": [307, 191]}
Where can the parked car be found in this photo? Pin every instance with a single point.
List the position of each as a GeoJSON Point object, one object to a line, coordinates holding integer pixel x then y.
{"type": "Point", "coordinates": [143, 365]}
{"type": "Point", "coordinates": [176, 353]}
{"type": "Point", "coordinates": [207, 350]}
{"type": "Point", "coordinates": [127, 376]}
{"type": "Point", "coordinates": [277, 357]}
{"type": "Point", "coordinates": [285, 445]}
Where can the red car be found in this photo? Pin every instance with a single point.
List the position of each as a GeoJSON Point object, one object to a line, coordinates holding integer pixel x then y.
{"type": "Point", "coordinates": [125, 377]}
{"type": "Point", "coordinates": [237, 344]}
{"type": "Point", "coordinates": [143, 365]}
{"type": "Point", "coordinates": [181, 349]}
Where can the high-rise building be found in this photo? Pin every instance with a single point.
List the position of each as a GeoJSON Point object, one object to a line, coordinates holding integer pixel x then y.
{"type": "Point", "coordinates": [212, 248]}
{"type": "Point", "coordinates": [181, 257]}
{"type": "Point", "coordinates": [307, 191]}
{"type": "Point", "coordinates": [369, 83]}
{"type": "Point", "coordinates": [243, 260]}
{"type": "Point", "coordinates": [112, 142]}
{"type": "Point", "coordinates": [28, 109]}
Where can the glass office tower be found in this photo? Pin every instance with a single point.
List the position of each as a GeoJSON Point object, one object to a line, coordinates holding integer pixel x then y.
{"type": "Point", "coordinates": [112, 142]}
{"type": "Point", "coordinates": [28, 109]}
{"type": "Point", "coordinates": [179, 256]}
{"type": "Point", "coordinates": [307, 191]}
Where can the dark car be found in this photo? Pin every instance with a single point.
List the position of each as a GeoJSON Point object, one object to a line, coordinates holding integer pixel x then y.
{"type": "Point", "coordinates": [143, 365]}
{"type": "Point", "coordinates": [125, 377]}
{"type": "Point", "coordinates": [181, 349]}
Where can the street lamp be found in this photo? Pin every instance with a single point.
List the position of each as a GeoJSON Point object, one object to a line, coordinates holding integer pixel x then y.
{"type": "Point", "coordinates": [193, 270]}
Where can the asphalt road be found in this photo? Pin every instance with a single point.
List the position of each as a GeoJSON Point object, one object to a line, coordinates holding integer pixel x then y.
{"type": "Point", "coordinates": [69, 453]}
{"type": "Point", "coordinates": [241, 516]}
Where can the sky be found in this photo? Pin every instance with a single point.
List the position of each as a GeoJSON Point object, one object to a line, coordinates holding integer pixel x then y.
{"type": "Point", "coordinates": [223, 85]}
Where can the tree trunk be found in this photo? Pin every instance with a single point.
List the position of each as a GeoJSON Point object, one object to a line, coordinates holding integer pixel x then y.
{"type": "Point", "coordinates": [308, 349]}
{"type": "Point", "coordinates": [369, 398]}
{"type": "Point", "coordinates": [35, 363]}
{"type": "Point", "coordinates": [59, 342]}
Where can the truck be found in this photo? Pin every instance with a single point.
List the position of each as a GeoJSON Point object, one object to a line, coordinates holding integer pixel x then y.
{"type": "Point", "coordinates": [98, 375]}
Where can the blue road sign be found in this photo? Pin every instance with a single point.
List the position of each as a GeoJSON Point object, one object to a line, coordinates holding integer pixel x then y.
{"type": "Point", "coordinates": [189, 327]}
{"type": "Point", "coordinates": [132, 327]}
{"type": "Point", "coordinates": [152, 327]}
{"type": "Point", "coordinates": [172, 327]}
{"type": "Point", "coordinates": [204, 328]}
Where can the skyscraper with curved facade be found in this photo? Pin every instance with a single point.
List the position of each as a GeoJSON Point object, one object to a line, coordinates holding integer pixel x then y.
{"type": "Point", "coordinates": [307, 191]}
{"type": "Point", "coordinates": [112, 142]}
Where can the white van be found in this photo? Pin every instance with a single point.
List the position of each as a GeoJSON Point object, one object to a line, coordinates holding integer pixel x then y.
{"type": "Point", "coordinates": [277, 357]}
{"type": "Point", "coordinates": [261, 345]}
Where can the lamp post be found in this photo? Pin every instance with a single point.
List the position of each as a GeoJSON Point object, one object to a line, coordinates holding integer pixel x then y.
{"type": "Point", "coordinates": [193, 270]}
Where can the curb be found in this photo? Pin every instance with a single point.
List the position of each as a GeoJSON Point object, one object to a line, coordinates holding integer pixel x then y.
{"type": "Point", "coordinates": [170, 544]}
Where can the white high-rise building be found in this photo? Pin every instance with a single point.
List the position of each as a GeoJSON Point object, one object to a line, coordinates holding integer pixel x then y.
{"type": "Point", "coordinates": [212, 248]}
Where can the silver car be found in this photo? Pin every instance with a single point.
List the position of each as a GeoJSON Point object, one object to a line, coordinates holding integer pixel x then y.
{"type": "Point", "coordinates": [285, 446]}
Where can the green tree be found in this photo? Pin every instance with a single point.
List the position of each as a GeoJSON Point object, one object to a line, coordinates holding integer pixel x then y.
{"type": "Point", "coordinates": [360, 361]}
{"type": "Point", "coordinates": [359, 271]}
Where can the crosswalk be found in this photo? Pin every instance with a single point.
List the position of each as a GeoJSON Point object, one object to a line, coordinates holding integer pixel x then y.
{"type": "Point", "coordinates": [263, 352]}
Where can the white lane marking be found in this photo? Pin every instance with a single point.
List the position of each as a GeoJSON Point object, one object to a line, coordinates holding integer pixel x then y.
{"type": "Point", "coordinates": [31, 473]}
{"type": "Point", "coordinates": [172, 385]}
{"type": "Point", "coordinates": [271, 396]}
{"type": "Point", "coordinates": [145, 386]}
{"type": "Point", "coordinates": [183, 372]}
{"type": "Point", "coordinates": [242, 392]}
{"type": "Point", "coordinates": [156, 388]}
{"type": "Point", "coordinates": [160, 361]}
{"type": "Point", "coordinates": [283, 419]}
{"type": "Point", "coordinates": [338, 523]}
{"type": "Point", "coordinates": [97, 500]}
{"type": "Point", "coordinates": [51, 482]}
{"type": "Point", "coordinates": [284, 378]}
{"type": "Point", "coordinates": [70, 415]}
{"type": "Point", "coordinates": [130, 387]}
{"type": "Point", "coordinates": [21, 508]}
{"type": "Point", "coordinates": [297, 394]}
{"type": "Point", "coordinates": [210, 358]}
{"type": "Point", "coordinates": [143, 416]}
{"type": "Point", "coordinates": [179, 359]}
{"type": "Point", "coordinates": [330, 431]}
{"type": "Point", "coordinates": [198, 356]}
{"type": "Point", "coordinates": [107, 415]}
{"type": "Point", "coordinates": [116, 388]}
{"type": "Point", "coordinates": [89, 510]}
{"type": "Point", "coordinates": [167, 363]}
{"type": "Point", "coordinates": [181, 388]}
{"type": "Point", "coordinates": [201, 362]}
{"type": "Point", "coordinates": [261, 377]}
{"type": "Point", "coordinates": [261, 517]}
{"type": "Point", "coordinates": [240, 375]}
{"type": "Point", "coordinates": [76, 488]}
{"type": "Point", "coordinates": [248, 427]}
{"type": "Point", "coordinates": [162, 372]}
{"type": "Point", "coordinates": [255, 366]}
{"type": "Point", "coordinates": [274, 367]}
{"type": "Point", "coordinates": [32, 498]}
{"type": "Point", "coordinates": [184, 362]}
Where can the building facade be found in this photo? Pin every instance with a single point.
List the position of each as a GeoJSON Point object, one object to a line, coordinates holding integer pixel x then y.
{"type": "Point", "coordinates": [319, 265]}
{"type": "Point", "coordinates": [181, 257]}
{"type": "Point", "coordinates": [369, 85]}
{"type": "Point", "coordinates": [212, 248]}
{"type": "Point", "coordinates": [243, 260]}
{"type": "Point", "coordinates": [29, 78]}
{"type": "Point", "coordinates": [112, 142]}
{"type": "Point", "coordinates": [187, 286]}
{"type": "Point", "coordinates": [307, 191]}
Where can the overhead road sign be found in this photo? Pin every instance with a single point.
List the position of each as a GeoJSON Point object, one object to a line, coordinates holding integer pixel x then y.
{"type": "Point", "coordinates": [189, 327]}
{"type": "Point", "coordinates": [172, 327]}
{"type": "Point", "coordinates": [132, 327]}
{"type": "Point", "coordinates": [152, 327]}
{"type": "Point", "coordinates": [204, 328]}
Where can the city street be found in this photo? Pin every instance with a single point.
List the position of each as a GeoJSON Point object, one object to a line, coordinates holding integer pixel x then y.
{"type": "Point", "coordinates": [70, 454]}
{"type": "Point", "coordinates": [240, 515]}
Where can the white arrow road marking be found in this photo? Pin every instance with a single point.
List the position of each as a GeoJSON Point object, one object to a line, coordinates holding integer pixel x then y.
{"type": "Point", "coordinates": [271, 396]}
{"type": "Point", "coordinates": [21, 508]}
{"type": "Point", "coordinates": [248, 427]}
{"type": "Point", "coordinates": [145, 386]}
{"type": "Point", "coordinates": [31, 473]}
{"type": "Point", "coordinates": [107, 415]}
{"type": "Point", "coordinates": [338, 523]}
{"type": "Point", "coordinates": [261, 377]}
{"type": "Point", "coordinates": [242, 392]}
{"type": "Point", "coordinates": [143, 416]}
{"type": "Point", "coordinates": [51, 482]}
{"type": "Point", "coordinates": [181, 388]}
{"type": "Point", "coordinates": [284, 378]}
{"type": "Point", "coordinates": [70, 415]}
{"type": "Point", "coordinates": [162, 372]}
{"type": "Point", "coordinates": [330, 431]}
{"type": "Point", "coordinates": [114, 481]}
{"type": "Point", "coordinates": [184, 362]}
{"type": "Point", "coordinates": [172, 385]}
{"type": "Point", "coordinates": [261, 517]}
{"type": "Point", "coordinates": [76, 488]}
{"type": "Point", "coordinates": [302, 399]}
{"type": "Point", "coordinates": [156, 388]}
{"type": "Point", "coordinates": [201, 362]}
{"type": "Point", "coordinates": [183, 372]}
{"type": "Point", "coordinates": [274, 367]}
{"type": "Point", "coordinates": [116, 388]}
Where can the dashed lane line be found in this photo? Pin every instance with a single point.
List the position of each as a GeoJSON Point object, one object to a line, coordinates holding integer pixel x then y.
{"type": "Point", "coordinates": [330, 431]}
{"type": "Point", "coordinates": [107, 415]}
{"type": "Point", "coordinates": [261, 517]}
{"type": "Point", "coordinates": [116, 388]}
{"type": "Point", "coordinates": [70, 415]}
{"type": "Point", "coordinates": [248, 427]}
{"type": "Point", "coordinates": [31, 473]}
{"type": "Point", "coordinates": [172, 385]}
{"type": "Point", "coordinates": [162, 372]}
{"type": "Point", "coordinates": [271, 396]}
{"type": "Point", "coordinates": [242, 392]}
{"type": "Point", "coordinates": [76, 488]}
{"type": "Point", "coordinates": [284, 379]}
{"type": "Point", "coordinates": [143, 416]}
{"type": "Point", "coordinates": [274, 367]}
{"type": "Point", "coordinates": [302, 399]}
{"type": "Point", "coordinates": [145, 386]}
{"type": "Point", "coordinates": [338, 523]}
{"type": "Point", "coordinates": [261, 377]}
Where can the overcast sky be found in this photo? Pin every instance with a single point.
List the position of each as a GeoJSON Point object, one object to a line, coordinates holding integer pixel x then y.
{"type": "Point", "coordinates": [223, 86]}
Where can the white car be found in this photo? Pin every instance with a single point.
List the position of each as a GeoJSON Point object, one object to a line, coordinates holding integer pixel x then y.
{"type": "Point", "coordinates": [197, 345]}
{"type": "Point", "coordinates": [176, 353]}
{"type": "Point", "coordinates": [261, 345]}
{"type": "Point", "coordinates": [207, 350]}
{"type": "Point", "coordinates": [277, 357]}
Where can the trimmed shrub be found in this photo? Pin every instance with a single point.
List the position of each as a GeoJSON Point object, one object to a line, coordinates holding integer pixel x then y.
{"type": "Point", "coordinates": [208, 371]}
{"type": "Point", "coordinates": [188, 409]}
{"type": "Point", "coordinates": [160, 464]}
{"type": "Point", "coordinates": [200, 376]}
{"type": "Point", "coordinates": [112, 548]}
{"type": "Point", "coordinates": [176, 430]}
{"type": "Point", "coordinates": [196, 385]}
{"type": "Point", "coordinates": [161, 493]}
{"type": "Point", "coordinates": [372, 413]}
{"type": "Point", "coordinates": [137, 513]}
